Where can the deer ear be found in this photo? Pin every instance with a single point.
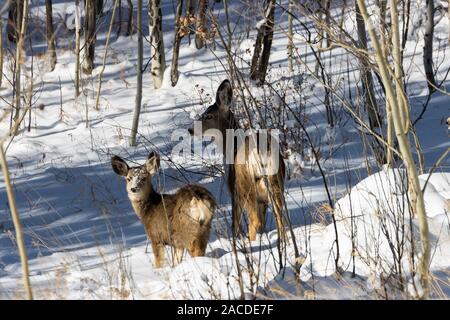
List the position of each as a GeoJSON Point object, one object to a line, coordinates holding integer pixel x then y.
{"type": "Point", "coordinates": [119, 166]}
{"type": "Point", "coordinates": [152, 163]}
{"type": "Point", "coordinates": [224, 95]}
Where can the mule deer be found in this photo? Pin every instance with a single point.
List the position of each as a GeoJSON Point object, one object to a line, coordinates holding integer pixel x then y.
{"type": "Point", "coordinates": [250, 189]}
{"type": "Point", "coordinates": [182, 220]}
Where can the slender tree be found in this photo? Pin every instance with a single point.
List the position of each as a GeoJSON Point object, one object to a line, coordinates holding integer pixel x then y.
{"type": "Point", "coordinates": [77, 48]}
{"type": "Point", "coordinates": [156, 43]}
{"type": "Point", "coordinates": [130, 23]}
{"type": "Point", "coordinates": [401, 126]}
{"type": "Point", "coordinates": [15, 9]}
{"type": "Point", "coordinates": [140, 53]}
{"type": "Point", "coordinates": [19, 58]}
{"type": "Point", "coordinates": [290, 45]}
{"type": "Point", "coordinates": [89, 36]}
{"type": "Point", "coordinates": [17, 223]}
{"type": "Point", "coordinates": [263, 45]}
{"type": "Point", "coordinates": [51, 45]}
{"type": "Point", "coordinates": [366, 74]}
{"type": "Point", "coordinates": [191, 6]}
{"type": "Point", "coordinates": [98, 7]}
{"type": "Point", "coordinates": [201, 23]}
{"type": "Point", "coordinates": [174, 74]}
{"type": "Point", "coordinates": [1, 52]}
{"type": "Point", "coordinates": [428, 46]}
{"type": "Point", "coordinates": [105, 54]}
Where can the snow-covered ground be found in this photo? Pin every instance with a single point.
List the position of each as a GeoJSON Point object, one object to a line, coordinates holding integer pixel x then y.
{"type": "Point", "coordinates": [84, 240]}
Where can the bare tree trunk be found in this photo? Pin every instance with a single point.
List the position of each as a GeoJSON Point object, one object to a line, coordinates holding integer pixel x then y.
{"type": "Point", "coordinates": [1, 52]}
{"type": "Point", "coordinates": [428, 46]}
{"type": "Point", "coordinates": [176, 45]}
{"type": "Point", "coordinates": [448, 17]}
{"type": "Point", "coordinates": [119, 29]}
{"type": "Point", "coordinates": [137, 110]}
{"type": "Point", "coordinates": [14, 19]}
{"type": "Point", "coordinates": [366, 75]}
{"type": "Point", "coordinates": [108, 37]}
{"type": "Point", "coordinates": [130, 29]}
{"type": "Point", "coordinates": [191, 7]}
{"type": "Point", "coordinates": [263, 44]}
{"type": "Point", "coordinates": [19, 57]}
{"type": "Point", "coordinates": [290, 45]}
{"type": "Point", "coordinates": [201, 24]}
{"type": "Point", "coordinates": [156, 43]}
{"type": "Point", "coordinates": [415, 192]}
{"type": "Point", "coordinates": [99, 7]}
{"type": "Point", "coordinates": [51, 45]}
{"type": "Point", "coordinates": [77, 48]}
{"type": "Point", "coordinates": [89, 36]}
{"type": "Point", "coordinates": [17, 224]}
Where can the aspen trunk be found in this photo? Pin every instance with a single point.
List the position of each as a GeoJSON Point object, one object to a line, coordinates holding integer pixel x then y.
{"type": "Point", "coordinates": [77, 48]}
{"type": "Point", "coordinates": [1, 53]}
{"type": "Point", "coordinates": [98, 7]}
{"type": "Point", "coordinates": [428, 46]}
{"type": "Point", "coordinates": [176, 45]}
{"type": "Point", "coordinates": [51, 46]}
{"type": "Point", "coordinates": [415, 192]}
{"type": "Point", "coordinates": [20, 58]}
{"type": "Point", "coordinates": [366, 74]}
{"type": "Point", "coordinates": [263, 45]}
{"type": "Point", "coordinates": [137, 110]}
{"type": "Point", "coordinates": [14, 19]}
{"type": "Point", "coordinates": [191, 7]}
{"type": "Point", "coordinates": [17, 224]}
{"type": "Point", "coordinates": [201, 24]}
{"type": "Point", "coordinates": [89, 36]}
{"type": "Point", "coordinates": [130, 29]}
{"type": "Point", "coordinates": [290, 45]}
{"type": "Point", "coordinates": [156, 43]}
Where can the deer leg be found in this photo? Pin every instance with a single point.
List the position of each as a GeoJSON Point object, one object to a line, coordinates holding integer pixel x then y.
{"type": "Point", "coordinates": [236, 213]}
{"type": "Point", "coordinates": [178, 255]}
{"type": "Point", "coordinates": [262, 209]}
{"type": "Point", "coordinates": [198, 247]}
{"type": "Point", "coordinates": [278, 212]}
{"type": "Point", "coordinates": [158, 252]}
{"type": "Point", "coordinates": [255, 222]}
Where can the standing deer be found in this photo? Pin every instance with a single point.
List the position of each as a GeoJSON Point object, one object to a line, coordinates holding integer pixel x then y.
{"type": "Point", "coordinates": [181, 220]}
{"type": "Point", "coordinates": [250, 189]}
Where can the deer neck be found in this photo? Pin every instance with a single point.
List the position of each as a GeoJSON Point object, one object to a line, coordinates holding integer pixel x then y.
{"type": "Point", "coordinates": [231, 123]}
{"type": "Point", "coordinates": [142, 207]}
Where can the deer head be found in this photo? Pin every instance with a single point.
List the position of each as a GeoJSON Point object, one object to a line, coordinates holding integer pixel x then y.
{"type": "Point", "coordinates": [217, 116]}
{"type": "Point", "coordinates": [138, 178]}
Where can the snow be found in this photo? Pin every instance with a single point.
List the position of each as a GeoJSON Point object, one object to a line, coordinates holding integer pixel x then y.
{"type": "Point", "coordinates": [85, 242]}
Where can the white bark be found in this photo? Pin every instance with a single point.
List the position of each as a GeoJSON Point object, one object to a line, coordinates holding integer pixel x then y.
{"type": "Point", "coordinates": [19, 57]}
{"type": "Point", "coordinates": [17, 224]}
{"type": "Point", "coordinates": [77, 48]}
{"type": "Point", "coordinates": [428, 46]}
{"type": "Point", "coordinates": [401, 132]}
{"type": "Point", "coordinates": [156, 43]}
{"type": "Point", "coordinates": [137, 110]}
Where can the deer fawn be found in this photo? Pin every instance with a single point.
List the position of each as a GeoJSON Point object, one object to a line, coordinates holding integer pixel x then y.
{"type": "Point", "coordinates": [249, 188]}
{"type": "Point", "coordinates": [182, 220]}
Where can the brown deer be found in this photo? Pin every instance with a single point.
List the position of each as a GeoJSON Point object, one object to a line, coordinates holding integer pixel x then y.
{"type": "Point", "coordinates": [181, 220]}
{"type": "Point", "coordinates": [250, 189]}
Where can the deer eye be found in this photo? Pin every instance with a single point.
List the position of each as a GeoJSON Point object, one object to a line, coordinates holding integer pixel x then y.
{"type": "Point", "coordinates": [208, 117]}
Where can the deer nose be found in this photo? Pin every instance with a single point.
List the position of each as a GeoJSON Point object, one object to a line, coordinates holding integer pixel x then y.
{"type": "Point", "coordinates": [133, 190]}
{"type": "Point", "coordinates": [191, 131]}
